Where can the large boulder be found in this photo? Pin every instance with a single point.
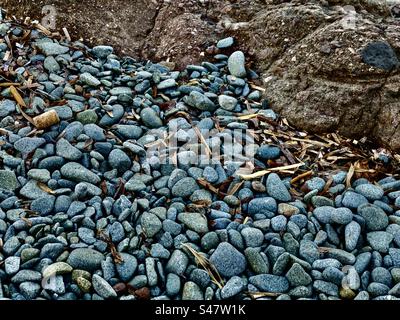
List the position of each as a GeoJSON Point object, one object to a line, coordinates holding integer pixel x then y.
{"type": "Point", "coordinates": [331, 68]}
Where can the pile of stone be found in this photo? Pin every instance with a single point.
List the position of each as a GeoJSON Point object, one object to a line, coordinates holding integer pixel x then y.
{"type": "Point", "coordinates": [92, 208]}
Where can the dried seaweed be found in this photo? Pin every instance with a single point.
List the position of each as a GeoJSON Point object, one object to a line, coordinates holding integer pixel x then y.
{"type": "Point", "coordinates": [17, 96]}
{"type": "Point", "coordinates": [206, 265]}
{"type": "Point", "coordinates": [114, 252]}
{"type": "Point", "coordinates": [42, 186]}
{"type": "Point", "coordinates": [319, 154]}
{"type": "Point", "coordinates": [27, 221]}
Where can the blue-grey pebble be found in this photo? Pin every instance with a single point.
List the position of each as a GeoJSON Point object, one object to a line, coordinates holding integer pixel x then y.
{"type": "Point", "coordinates": [277, 189]}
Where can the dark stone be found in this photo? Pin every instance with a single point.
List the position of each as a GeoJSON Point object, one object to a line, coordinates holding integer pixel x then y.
{"type": "Point", "coordinates": [380, 55]}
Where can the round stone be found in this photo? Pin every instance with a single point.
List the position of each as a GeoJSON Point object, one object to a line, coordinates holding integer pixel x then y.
{"type": "Point", "coordinates": [228, 260]}
{"type": "Point", "coordinates": [268, 152]}
{"type": "Point", "coordinates": [236, 65]}
{"type": "Point", "coordinates": [297, 276]}
{"type": "Point", "coordinates": [177, 263]}
{"type": "Point", "coordinates": [353, 200]}
{"type": "Point", "coordinates": [151, 224]}
{"type": "Point", "coordinates": [210, 174]}
{"type": "Point", "coordinates": [8, 180]}
{"type": "Point", "coordinates": [379, 240]}
{"type": "Point", "coordinates": [87, 116]}
{"type": "Point", "coordinates": [58, 268]}
{"type": "Point", "coordinates": [200, 101]}
{"type": "Point", "coordinates": [119, 160]}
{"type": "Point", "coordinates": [352, 233]}
{"type": "Point", "coordinates": [191, 291]}
{"type": "Point", "coordinates": [127, 268]}
{"type": "Point", "coordinates": [277, 189]}
{"type": "Point", "coordinates": [173, 284]}
{"type": "Point", "coordinates": [225, 43]}
{"type": "Point", "coordinates": [86, 259]}
{"type": "Point", "coordinates": [264, 205]}
{"type": "Point", "coordinates": [90, 80]}
{"type": "Point", "coordinates": [103, 288]}
{"type": "Point", "coordinates": [150, 118]}
{"type": "Point", "coordinates": [233, 287]}
{"type": "Point", "coordinates": [375, 218]}
{"type": "Point", "coordinates": [309, 251]}
{"type": "Point", "coordinates": [27, 145]}
{"type": "Point", "coordinates": [270, 283]}
{"type": "Point", "coordinates": [316, 183]}
{"type": "Point", "coordinates": [184, 187]}
{"type": "Point", "coordinates": [76, 172]}
{"type": "Point", "coordinates": [102, 51]}
{"type": "Point", "coordinates": [227, 102]}
{"type": "Point", "coordinates": [370, 191]}
{"type": "Point", "coordinates": [252, 237]}
{"type": "Point", "coordinates": [194, 221]}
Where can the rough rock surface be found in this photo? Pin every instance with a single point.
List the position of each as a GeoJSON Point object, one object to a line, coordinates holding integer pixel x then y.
{"type": "Point", "coordinates": [311, 53]}
{"type": "Point", "coordinates": [314, 72]}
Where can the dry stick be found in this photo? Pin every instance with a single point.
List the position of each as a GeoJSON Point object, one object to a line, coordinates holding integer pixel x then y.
{"type": "Point", "coordinates": [336, 138]}
{"type": "Point", "coordinates": [17, 96]}
{"type": "Point", "coordinates": [327, 140]}
{"type": "Point", "coordinates": [206, 265]}
{"type": "Point", "coordinates": [285, 135]}
{"type": "Point", "coordinates": [255, 295]}
{"type": "Point", "coordinates": [258, 116]}
{"type": "Point", "coordinates": [42, 29]}
{"type": "Point", "coordinates": [301, 176]}
{"type": "Point", "coordinates": [203, 141]}
{"type": "Point", "coordinates": [44, 187]}
{"type": "Point", "coordinates": [235, 188]}
{"type": "Point", "coordinates": [66, 33]}
{"type": "Point", "coordinates": [248, 116]}
{"type": "Point", "coordinates": [29, 86]}
{"type": "Point", "coordinates": [164, 97]}
{"type": "Point", "coordinates": [349, 176]}
{"type": "Point", "coordinates": [27, 221]}
{"type": "Point", "coordinates": [8, 84]}
{"type": "Point", "coordinates": [115, 137]}
{"type": "Point", "coordinates": [324, 249]}
{"type": "Point", "coordinates": [253, 86]}
{"type": "Point", "coordinates": [208, 185]}
{"type": "Point", "coordinates": [28, 118]}
{"type": "Point", "coordinates": [3, 131]}
{"type": "Point", "coordinates": [31, 213]}
{"type": "Point", "coordinates": [110, 113]}
{"type": "Point", "coordinates": [115, 254]}
{"type": "Point", "coordinates": [327, 185]}
{"type": "Point", "coordinates": [365, 170]}
{"type": "Point", "coordinates": [285, 151]}
{"type": "Point", "coordinates": [264, 172]}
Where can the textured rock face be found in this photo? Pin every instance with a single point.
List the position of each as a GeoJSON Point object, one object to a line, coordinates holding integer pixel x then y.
{"type": "Point", "coordinates": [315, 74]}
{"type": "Point", "coordinates": [312, 53]}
